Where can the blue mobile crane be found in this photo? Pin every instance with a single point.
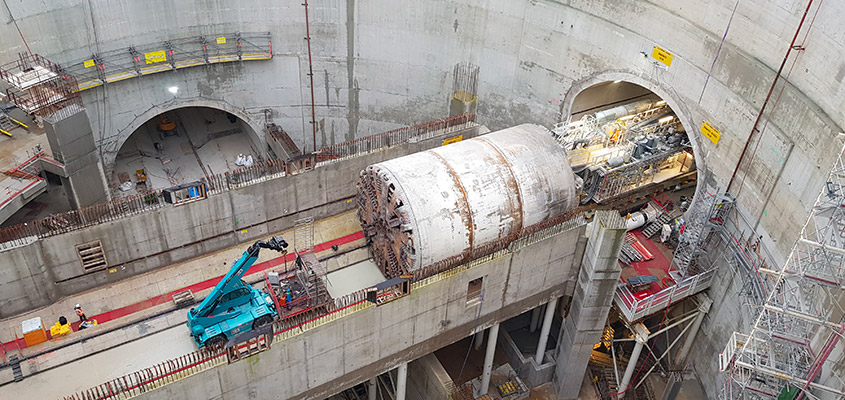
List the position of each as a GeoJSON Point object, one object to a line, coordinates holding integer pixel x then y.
{"type": "Point", "coordinates": [234, 307]}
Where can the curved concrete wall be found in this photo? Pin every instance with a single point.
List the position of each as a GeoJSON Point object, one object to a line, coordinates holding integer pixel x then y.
{"type": "Point", "coordinates": [379, 64]}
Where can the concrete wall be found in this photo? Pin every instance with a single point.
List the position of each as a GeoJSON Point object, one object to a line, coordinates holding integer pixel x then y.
{"type": "Point", "coordinates": [427, 379]}
{"type": "Point", "coordinates": [350, 350]}
{"type": "Point", "coordinates": [379, 64]}
{"type": "Point", "coordinates": [41, 272]}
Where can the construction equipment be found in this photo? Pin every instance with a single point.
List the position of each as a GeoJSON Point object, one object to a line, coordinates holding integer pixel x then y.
{"type": "Point", "coordinates": [233, 306]}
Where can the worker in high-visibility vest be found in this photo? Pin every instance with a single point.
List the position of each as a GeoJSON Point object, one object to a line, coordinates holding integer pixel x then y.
{"type": "Point", "coordinates": [80, 313]}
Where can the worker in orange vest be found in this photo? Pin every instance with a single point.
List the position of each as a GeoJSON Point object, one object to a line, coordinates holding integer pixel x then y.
{"type": "Point", "coordinates": [80, 313]}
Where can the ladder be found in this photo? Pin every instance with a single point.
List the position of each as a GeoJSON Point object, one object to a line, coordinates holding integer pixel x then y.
{"type": "Point", "coordinates": [655, 226]}
{"type": "Point", "coordinates": [8, 123]}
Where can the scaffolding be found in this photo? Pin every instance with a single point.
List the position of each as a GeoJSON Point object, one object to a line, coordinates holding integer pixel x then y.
{"type": "Point", "coordinates": [794, 346]}
{"type": "Point", "coordinates": [693, 268]}
{"type": "Point", "coordinates": [39, 86]}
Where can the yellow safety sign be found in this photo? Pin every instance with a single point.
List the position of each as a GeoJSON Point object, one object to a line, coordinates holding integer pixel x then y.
{"type": "Point", "coordinates": [662, 56]}
{"type": "Point", "coordinates": [221, 40]}
{"type": "Point", "coordinates": [88, 63]}
{"type": "Point", "coordinates": [455, 139]}
{"type": "Point", "coordinates": [711, 132]}
{"type": "Point", "coordinates": [155, 57]}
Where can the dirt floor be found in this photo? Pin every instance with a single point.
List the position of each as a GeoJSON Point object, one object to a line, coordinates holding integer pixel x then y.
{"type": "Point", "coordinates": [452, 357]}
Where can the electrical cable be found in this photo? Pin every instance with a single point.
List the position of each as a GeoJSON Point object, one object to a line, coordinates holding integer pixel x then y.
{"type": "Point", "coordinates": [802, 46]}
{"type": "Point", "coordinates": [639, 370]}
{"type": "Point", "coordinates": [718, 52]}
{"type": "Point", "coordinates": [14, 21]}
{"type": "Point", "coordinates": [472, 342]}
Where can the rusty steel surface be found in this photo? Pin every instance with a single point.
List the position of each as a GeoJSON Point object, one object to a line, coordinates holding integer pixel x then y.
{"type": "Point", "coordinates": [449, 201]}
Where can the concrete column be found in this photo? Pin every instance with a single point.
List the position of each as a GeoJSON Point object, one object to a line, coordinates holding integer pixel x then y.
{"type": "Point", "coordinates": [70, 135]}
{"type": "Point", "coordinates": [488, 360]}
{"type": "Point", "coordinates": [479, 338]}
{"type": "Point", "coordinates": [544, 333]}
{"type": "Point", "coordinates": [535, 318]}
{"type": "Point", "coordinates": [371, 388]}
{"type": "Point", "coordinates": [641, 336]}
{"type": "Point", "coordinates": [591, 300]}
{"type": "Point", "coordinates": [401, 380]}
{"type": "Point", "coordinates": [704, 304]}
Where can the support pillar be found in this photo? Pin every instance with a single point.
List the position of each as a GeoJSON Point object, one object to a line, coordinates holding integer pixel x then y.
{"type": "Point", "coordinates": [69, 134]}
{"type": "Point", "coordinates": [488, 360]}
{"type": "Point", "coordinates": [371, 388]}
{"type": "Point", "coordinates": [676, 379]}
{"type": "Point", "coordinates": [535, 318]}
{"type": "Point", "coordinates": [544, 332]}
{"type": "Point", "coordinates": [479, 337]}
{"type": "Point", "coordinates": [704, 304]}
{"type": "Point", "coordinates": [591, 302]}
{"type": "Point", "coordinates": [401, 380]}
{"type": "Point", "coordinates": [641, 337]}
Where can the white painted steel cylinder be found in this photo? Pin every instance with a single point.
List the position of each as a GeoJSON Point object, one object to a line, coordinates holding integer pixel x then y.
{"type": "Point", "coordinates": [444, 202]}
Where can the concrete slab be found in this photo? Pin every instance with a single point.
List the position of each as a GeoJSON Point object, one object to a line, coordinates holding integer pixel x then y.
{"type": "Point", "coordinates": [352, 278]}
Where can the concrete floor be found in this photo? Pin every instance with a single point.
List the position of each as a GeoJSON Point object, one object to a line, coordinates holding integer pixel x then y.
{"type": "Point", "coordinates": [52, 201]}
{"type": "Point", "coordinates": [352, 278]}
{"type": "Point", "coordinates": [207, 143]}
{"type": "Point", "coordinates": [463, 362]}
{"type": "Point", "coordinates": [99, 367]}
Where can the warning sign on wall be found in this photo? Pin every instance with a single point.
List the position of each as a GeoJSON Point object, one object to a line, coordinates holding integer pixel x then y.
{"type": "Point", "coordinates": [155, 56]}
{"type": "Point", "coordinates": [221, 40]}
{"type": "Point", "coordinates": [88, 63]}
{"type": "Point", "coordinates": [662, 55]}
{"type": "Point", "coordinates": [711, 132]}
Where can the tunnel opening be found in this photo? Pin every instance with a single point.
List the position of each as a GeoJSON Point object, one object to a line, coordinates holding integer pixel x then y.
{"type": "Point", "coordinates": [625, 142]}
{"type": "Point", "coordinates": [181, 146]}
{"type": "Point", "coordinates": [632, 153]}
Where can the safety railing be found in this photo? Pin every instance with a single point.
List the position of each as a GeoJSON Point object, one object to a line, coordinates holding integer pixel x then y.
{"type": "Point", "coordinates": [144, 59]}
{"type": "Point", "coordinates": [634, 308]}
{"type": "Point", "coordinates": [170, 371]}
{"type": "Point", "coordinates": [25, 233]}
{"type": "Point", "coordinates": [395, 137]}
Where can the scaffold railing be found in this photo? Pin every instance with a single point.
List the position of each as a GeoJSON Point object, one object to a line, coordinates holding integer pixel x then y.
{"type": "Point", "coordinates": [138, 60]}
{"type": "Point", "coordinates": [800, 323]}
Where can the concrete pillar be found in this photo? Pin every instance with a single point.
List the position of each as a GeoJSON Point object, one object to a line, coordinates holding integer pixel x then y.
{"type": "Point", "coordinates": [544, 333]}
{"type": "Point", "coordinates": [535, 318]}
{"type": "Point", "coordinates": [704, 304]}
{"type": "Point", "coordinates": [371, 388]}
{"type": "Point", "coordinates": [488, 360]}
{"type": "Point", "coordinates": [591, 302]}
{"type": "Point", "coordinates": [676, 380]}
{"type": "Point", "coordinates": [69, 134]}
{"type": "Point", "coordinates": [401, 380]}
{"type": "Point", "coordinates": [641, 336]}
{"type": "Point", "coordinates": [673, 386]}
{"type": "Point", "coordinates": [479, 338]}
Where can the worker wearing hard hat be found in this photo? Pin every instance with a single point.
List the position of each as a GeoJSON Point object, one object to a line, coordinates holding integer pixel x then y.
{"type": "Point", "coordinates": [80, 313]}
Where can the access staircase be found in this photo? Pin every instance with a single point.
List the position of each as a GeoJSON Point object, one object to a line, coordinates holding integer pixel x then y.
{"type": "Point", "coordinates": [8, 123]}
{"type": "Point", "coordinates": [655, 226]}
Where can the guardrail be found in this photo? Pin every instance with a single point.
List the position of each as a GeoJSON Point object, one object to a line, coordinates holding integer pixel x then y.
{"type": "Point", "coordinates": [395, 137]}
{"type": "Point", "coordinates": [131, 385]}
{"type": "Point", "coordinates": [634, 308]}
{"type": "Point", "coordinates": [25, 233]}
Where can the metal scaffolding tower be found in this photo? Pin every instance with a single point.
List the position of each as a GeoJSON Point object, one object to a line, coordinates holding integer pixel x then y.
{"type": "Point", "coordinates": [794, 348]}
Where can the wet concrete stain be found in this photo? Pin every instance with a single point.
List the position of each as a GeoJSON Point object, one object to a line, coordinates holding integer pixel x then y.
{"type": "Point", "coordinates": [352, 83]}
{"type": "Point", "coordinates": [328, 104]}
